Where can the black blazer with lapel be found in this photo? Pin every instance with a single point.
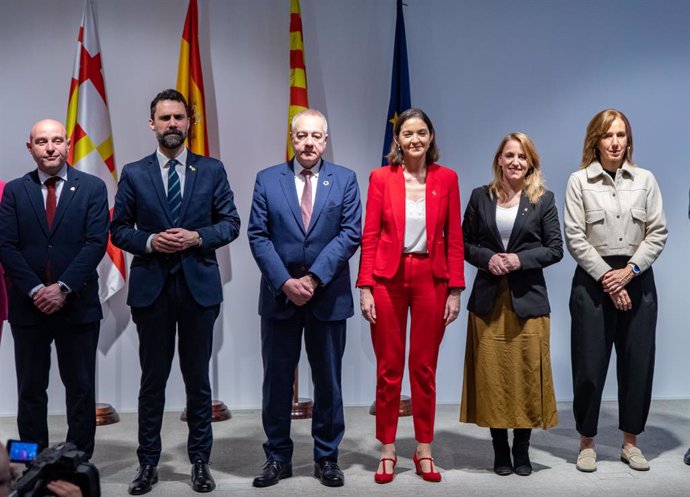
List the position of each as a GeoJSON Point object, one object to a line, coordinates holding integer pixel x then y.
{"type": "Point", "coordinates": [536, 239]}
{"type": "Point", "coordinates": [72, 247]}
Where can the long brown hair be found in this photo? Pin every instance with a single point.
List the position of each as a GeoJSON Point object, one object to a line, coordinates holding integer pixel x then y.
{"type": "Point", "coordinates": [596, 129]}
{"type": "Point", "coordinates": [533, 187]}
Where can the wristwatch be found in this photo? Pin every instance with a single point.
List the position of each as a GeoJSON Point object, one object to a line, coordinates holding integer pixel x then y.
{"type": "Point", "coordinates": [635, 268]}
{"type": "Point", "coordinates": [63, 288]}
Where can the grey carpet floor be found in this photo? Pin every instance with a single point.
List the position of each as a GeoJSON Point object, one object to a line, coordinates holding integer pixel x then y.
{"type": "Point", "coordinates": [463, 454]}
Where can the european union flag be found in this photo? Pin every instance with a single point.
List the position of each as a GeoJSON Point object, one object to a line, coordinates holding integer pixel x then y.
{"type": "Point", "coordinates": [400, 82]}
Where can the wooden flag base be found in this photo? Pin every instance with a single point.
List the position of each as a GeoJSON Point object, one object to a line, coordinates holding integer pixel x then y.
{"type": "Point", "coordinates": [219, 412]}
{"type": "Point", "coordinates": [302, 408]}
{"type": "Point", "coordinates": [405, 407]}
{"type": "Point", "coordinates": [106, 415]}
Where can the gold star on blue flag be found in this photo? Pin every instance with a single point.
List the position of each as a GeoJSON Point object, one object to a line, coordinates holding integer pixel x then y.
{"type": "Point", "coordinates": [400, 82]}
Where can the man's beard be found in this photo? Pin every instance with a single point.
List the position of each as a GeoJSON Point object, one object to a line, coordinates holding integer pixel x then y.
{"type": "Point", "coordinates": [171, 139]}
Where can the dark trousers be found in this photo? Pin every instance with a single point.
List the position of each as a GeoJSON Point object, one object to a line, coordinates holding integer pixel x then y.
{"type": "Point", "coordinates": [596, 327]}
{"type": "Point", "coordinates": [76, 353]}
{"type": "Point", "coordinates": [175, 312]}
{"type": "Point", "coordinates": [281, 343]}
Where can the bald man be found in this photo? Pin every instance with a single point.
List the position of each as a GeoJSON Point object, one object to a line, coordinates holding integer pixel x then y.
{"type": "Point", "coordinates": [53, 233]}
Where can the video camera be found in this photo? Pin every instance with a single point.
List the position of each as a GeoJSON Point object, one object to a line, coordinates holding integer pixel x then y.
{"type": "Point", "coordinates": [59, 462]}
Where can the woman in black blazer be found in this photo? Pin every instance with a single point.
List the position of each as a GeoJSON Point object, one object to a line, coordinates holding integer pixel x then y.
{"type": "Point", "coordinates": [511, 232]}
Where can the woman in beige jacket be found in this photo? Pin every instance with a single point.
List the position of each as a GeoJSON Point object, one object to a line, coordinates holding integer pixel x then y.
{"type": "Point", "coordinates": [615, 229]}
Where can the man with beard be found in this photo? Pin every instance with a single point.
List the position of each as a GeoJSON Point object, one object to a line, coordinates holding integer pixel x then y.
{"type": "Point", "coordinates": [173, 209]}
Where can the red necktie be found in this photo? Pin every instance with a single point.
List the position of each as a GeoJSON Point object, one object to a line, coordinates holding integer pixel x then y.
{"type": "Point", "coordinates": [305, 203]}
{"type": "Point", "coordinates": [51, 199]}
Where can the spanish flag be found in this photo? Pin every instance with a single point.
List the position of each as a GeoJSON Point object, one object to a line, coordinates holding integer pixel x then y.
{"type": "Point", "coordinates": [298, 72]}
{"type": "Point", "coordinates": [190, 81]}
{"type": "Point", "coordinates": [91, 138]}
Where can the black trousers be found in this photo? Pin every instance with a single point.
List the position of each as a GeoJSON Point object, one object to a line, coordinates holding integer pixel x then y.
{"type": "Point", "coordinates": [175, 312]}
{"type": "Point", "coordinates": [596, 327]}
{"type": "Point", "coordinates": [76, 353]}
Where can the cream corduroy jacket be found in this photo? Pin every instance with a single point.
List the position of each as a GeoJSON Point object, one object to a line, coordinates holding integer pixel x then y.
{"type": "Point", "coordinates": [605, 217]}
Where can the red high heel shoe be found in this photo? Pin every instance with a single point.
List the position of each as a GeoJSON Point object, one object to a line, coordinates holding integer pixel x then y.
{"type": "Point", "coordinates": [432, 476]}
{"type": "Point", "coordinates": [386, 477]}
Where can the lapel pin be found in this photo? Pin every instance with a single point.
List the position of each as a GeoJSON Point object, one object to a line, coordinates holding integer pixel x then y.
{"type": "Point", "coordinates": [325, 182]}
{"type": "Point", "coordinates": [192, 168]}
{"type": "Point", "coordinates": [433, 192]}
{"type": "Point", "coordinates": [72, 188]}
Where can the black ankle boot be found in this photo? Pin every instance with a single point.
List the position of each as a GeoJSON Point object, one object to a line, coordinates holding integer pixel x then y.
{"type": "Point", "coordinates": [523, 466]}
{"type": "Point", "coordinates": [502, 463]}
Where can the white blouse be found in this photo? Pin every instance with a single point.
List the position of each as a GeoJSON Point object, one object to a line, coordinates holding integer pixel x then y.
{"type": "Point", "coordinates": [415, 227]}
{"type": "Point", "coordinates": [505, 219]}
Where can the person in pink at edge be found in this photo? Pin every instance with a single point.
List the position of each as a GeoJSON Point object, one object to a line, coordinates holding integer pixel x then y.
{"type": "Point", "coordinates": [3, 291]}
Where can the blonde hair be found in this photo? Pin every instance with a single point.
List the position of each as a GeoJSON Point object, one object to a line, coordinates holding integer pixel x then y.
{"type": "Point", "coordinates": [596, 129]}
{"type": "Point", "coordinates": [533, 186]}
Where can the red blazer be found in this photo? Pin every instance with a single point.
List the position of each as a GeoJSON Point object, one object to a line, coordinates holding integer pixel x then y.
{"type": "Point", "coordinates": [384, 227]}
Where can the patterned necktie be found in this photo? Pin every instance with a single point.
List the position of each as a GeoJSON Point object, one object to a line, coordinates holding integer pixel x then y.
{"type": "Point", "coordinates": [51, 200]}
{"type": "Point", "coordinates": [174, 192]}
{"type": "Point", "coordinates": [305, 203]}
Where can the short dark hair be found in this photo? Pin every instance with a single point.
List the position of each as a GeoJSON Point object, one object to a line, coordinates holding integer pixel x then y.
{"type": "Point", "coordinates": [395, 156]}
{"type": "Point", "coordinates": [169, 94]}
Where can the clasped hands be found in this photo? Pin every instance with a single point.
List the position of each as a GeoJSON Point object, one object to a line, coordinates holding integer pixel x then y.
{"type": "Point", "coordinates": [300, 290]}
{"type": "Point", "coordinates": [174, 240]}
{"type": "Point", "coordinates": [503, 263]}
{"type": "Point", "coordinates": [49, 299]}
{"type": "Point", "coordinates": [614, 282]}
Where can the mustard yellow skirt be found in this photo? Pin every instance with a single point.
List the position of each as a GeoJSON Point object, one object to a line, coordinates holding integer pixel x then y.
{"type": "Point", "coordinates": [508, 381]}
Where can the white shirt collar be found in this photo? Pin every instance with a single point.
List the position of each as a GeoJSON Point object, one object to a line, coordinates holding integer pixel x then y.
{"type": "Point", "coordinates": [163, 159]}
{"type": "Point", "coordinates": [62, 174]}
{"type": "Point", "coordinates": [297, 167]}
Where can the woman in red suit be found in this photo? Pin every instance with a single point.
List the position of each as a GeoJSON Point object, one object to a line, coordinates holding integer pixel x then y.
{"type": "Point", "coordinates": [3, 291]}
{"type": "Point", "coordinates": [412, 260]}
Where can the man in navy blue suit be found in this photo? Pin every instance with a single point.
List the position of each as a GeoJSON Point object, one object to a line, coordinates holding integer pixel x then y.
{"type": "Point", "coordinates": [173, 209]}
{"type": "Point", "coordinates": [305, 225]}
{"type": "Point", "coordinates": [53, 233]}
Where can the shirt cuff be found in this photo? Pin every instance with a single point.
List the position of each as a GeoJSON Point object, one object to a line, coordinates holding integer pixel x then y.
{"type": "Point", "coordinates": [149, 244]}
{"type": "Point", "coordinates": [33, 291]}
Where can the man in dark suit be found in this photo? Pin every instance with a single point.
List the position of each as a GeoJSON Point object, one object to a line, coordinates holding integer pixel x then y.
{"type": "Point", "coordinates": [305, 225]}
{"type": "Point", "coordinates": [53, 233]}
{"type": "Point", "coordinates": [173, 209]}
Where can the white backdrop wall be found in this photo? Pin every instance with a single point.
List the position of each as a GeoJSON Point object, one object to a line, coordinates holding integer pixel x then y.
{"type": "Point", "coordinates": [479, 68]}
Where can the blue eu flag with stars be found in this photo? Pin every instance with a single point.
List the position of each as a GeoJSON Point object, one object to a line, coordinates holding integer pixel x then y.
{"type": "Point", "coordinates": [400, 82]}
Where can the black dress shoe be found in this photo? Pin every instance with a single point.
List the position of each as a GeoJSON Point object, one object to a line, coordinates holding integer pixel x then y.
{"type": "Point", "coordinates": [329, 473]}
{"type": "Point", "coordinates": [686, 459]}
{"type": "Point", "coordinates": [145, 479]}
{"type": "Point", "coordinates": [202, 481]}
{"type": "Point", "coordinates": [272, 473]}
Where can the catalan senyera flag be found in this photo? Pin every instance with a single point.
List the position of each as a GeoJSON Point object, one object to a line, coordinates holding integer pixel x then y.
{"type": "Point", "coordinates": [190, 81]}
{"type": "Point", "coordinates": [299, 100]}
{"type": "Point", "coordinates": [400, 82]}
{"type": "Point", "coordinates": [90, 136]}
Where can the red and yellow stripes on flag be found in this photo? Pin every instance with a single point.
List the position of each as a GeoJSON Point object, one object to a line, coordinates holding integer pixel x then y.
{"type": "Point", "coordinates": [190, 81]}
{"type": "Point", "coordinates": [91, 138]}
{"type": "Point", "coordinates": [298, 72]}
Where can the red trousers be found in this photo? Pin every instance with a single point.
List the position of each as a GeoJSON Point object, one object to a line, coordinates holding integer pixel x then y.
{"type": "Point", "coordinates": [412, 288]}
